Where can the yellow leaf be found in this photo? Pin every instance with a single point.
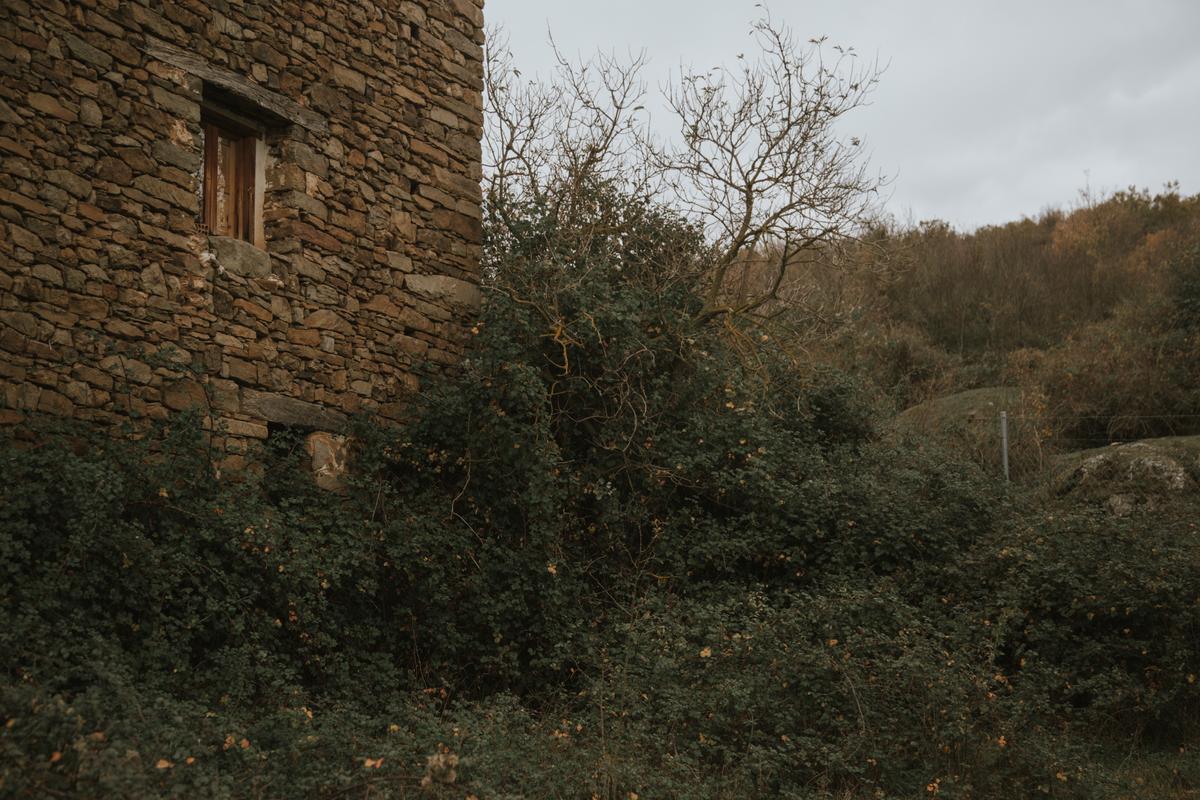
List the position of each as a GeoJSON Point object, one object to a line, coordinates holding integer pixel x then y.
{"type": "Point", "coordinates": [706, 652]}
{"type": "Point", "coordinates": [244, 743]}
{"type": "Point", "coordinates": [162, 763]}
{"type": "Point", "coordinates": [55, 757]}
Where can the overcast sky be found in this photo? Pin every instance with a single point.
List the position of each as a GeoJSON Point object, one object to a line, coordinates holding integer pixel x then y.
{"type": "Point", "coordinates": [988, 111]}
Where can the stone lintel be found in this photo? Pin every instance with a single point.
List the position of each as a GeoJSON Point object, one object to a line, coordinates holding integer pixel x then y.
{"type": "Point", "coordinates": [285, 410]}
{"type": "Point", "coordinates": [286, 109]}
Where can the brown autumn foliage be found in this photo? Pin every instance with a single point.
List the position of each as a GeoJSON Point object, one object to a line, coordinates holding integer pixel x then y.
{"type": "Point", "coordinates": [1034, 282]}
{"type": "Point", "coordinates": [1079, 309]}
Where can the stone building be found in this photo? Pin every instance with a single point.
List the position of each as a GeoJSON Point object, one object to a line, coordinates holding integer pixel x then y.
{"type": "Point", "coordinates": [267, 209]}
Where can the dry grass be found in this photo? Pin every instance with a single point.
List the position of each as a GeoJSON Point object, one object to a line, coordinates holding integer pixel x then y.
{"type": "Point", "coordinates": [969, 423]}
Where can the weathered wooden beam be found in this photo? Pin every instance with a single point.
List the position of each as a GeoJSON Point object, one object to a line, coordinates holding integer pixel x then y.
{"type": "Point", "coordinates": [287, 110]}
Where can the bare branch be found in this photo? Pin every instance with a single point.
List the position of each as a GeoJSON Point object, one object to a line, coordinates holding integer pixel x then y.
{"type": "Point", "coordinates": [760, 164]}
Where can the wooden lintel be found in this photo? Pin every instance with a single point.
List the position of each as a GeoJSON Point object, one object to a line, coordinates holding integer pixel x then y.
{"type": "Point", "coordinates": [282, 107]}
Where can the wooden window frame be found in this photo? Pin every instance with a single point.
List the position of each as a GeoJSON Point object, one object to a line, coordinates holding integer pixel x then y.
{"type": "Point", "coordinates": [243, 172]}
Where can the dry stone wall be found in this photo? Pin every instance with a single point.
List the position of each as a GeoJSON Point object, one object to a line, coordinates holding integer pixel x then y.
{"type": "Point", "coordinates": [115, 303]}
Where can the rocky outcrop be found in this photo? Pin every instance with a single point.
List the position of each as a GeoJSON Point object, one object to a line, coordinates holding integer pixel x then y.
{"type": "Point", "coordinates": [1126, 478]}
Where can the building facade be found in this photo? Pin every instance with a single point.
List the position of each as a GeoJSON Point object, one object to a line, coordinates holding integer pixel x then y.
{"type": "Point", "coordinates": [267, 210]}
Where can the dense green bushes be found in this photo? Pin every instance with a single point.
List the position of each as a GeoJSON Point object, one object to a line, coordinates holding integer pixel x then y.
{"type": "Point", "coordinates": [621, 552]}
{"type": "Point", "coordinates": [1101, 616]}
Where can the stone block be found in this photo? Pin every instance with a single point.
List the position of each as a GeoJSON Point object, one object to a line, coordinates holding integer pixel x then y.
{"type": "Point", "coordinates": [79, 393]}
{"type": "Point", "coordinates": [115, 170]}
{"type": "Point", "coordinates": [286, 410]}
{"type": "Point", "coordinates": [86, 52]}
{"type": "Point", "coordinates": [328, 457]}
{"type": "Point", "coordinates": [88, 307]}
{"type": "Point", "coordinates": [72, 183]}
{"type": "Point", "coordinates": [167, 193]}
{"type": "Point", "coordinates": [51, 402]}
{"type": "Point", "coordinates": [239, 257]}
{"type": "Point", "coordinates": [93, 376]}
{"type": "Point", "coordinates": [254, 310]}
{"type": "Point", "coordinates": [443, 288]}
{"type": "Point", "coordinates": [226, 395]}
{"type": "Point", "coordinates": [186, 159]}
{"type": "Point", "coordinates": [48, 274]}
{"type": "Point", "coordinates": [50, 105]}
{"type": "Point", "coordinates": [244, 371]}
{"type": "Point", "coordinates": [184, 395]}
{"type": "Point", "coordinates": [244, 428]}
{"type": "Point", "coordinates": [90, 113]}
{"type": "Point", "coordinates": [381, 304]}
{"type": "Point", "coordinates": [303, 336]}
{"type": "Point", "coordinates": [23, 322]}
{"type": "Point", "coordinates": [351, 79]}
{"type": "Point", "coordinates": [407, 344]}
{"type": "Point", "coordinates": [303, 156]}
{"type": "Point", "coordinates": [325, 319]}
{"type": "Point", "coordinates": [126, 369]}
{"type": "Point", "coordinates": [123, 329]}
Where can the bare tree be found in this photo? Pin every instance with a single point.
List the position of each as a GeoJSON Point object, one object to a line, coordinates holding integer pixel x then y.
{"type": "Point", "coordinates": [545, 141]}
{"type": "Point", "coordinates": [759, 162]}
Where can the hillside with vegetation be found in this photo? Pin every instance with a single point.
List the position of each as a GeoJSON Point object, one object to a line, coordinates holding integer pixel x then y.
{"type": "Point", "coordinates": [1092, 309]}
{"type": "Point", "coordinates": [666, 533]}
{"type": "Point", "coordinates": [1081, 325]}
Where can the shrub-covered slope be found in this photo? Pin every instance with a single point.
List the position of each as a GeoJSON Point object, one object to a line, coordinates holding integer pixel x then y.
{"type": "Point", "coordinates": [623, 553]}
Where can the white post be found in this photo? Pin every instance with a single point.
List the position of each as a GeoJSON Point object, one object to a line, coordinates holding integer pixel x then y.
{"type": "Point", "coordinates": [1004, 442]}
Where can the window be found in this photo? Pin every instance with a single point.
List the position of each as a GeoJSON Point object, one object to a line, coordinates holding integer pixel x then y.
{"type": "Point", "coordinates": [233, 174]}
